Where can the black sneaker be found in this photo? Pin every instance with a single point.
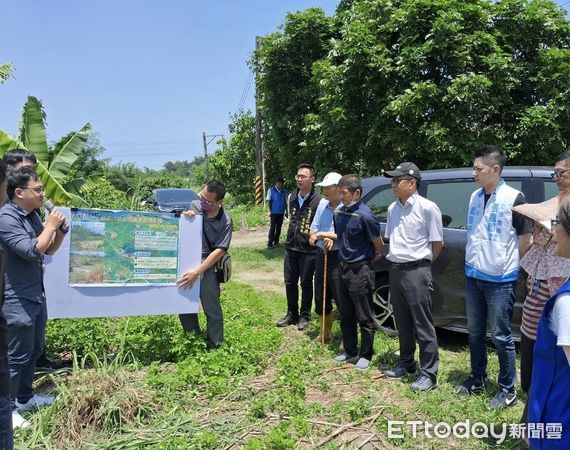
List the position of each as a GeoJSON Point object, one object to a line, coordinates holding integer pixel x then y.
{"type": "Point", "coordinates": [45, 363]}
{"type": "Point", "coordinates": [303, 323]}
{"type": "Point", "coordinates": [398, 372]}
{"type": "Point", "coordinates": [472, 386]}
{"type": "Point", "coordinates": [423, 383]}
{"type": "Point", "coordinates": [287, 320]}
{"type": "Point", "coordinates": [503, 399]}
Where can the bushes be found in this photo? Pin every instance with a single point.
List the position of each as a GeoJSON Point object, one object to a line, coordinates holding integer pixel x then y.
{"type": "Point", "coordinates": [248, 216]}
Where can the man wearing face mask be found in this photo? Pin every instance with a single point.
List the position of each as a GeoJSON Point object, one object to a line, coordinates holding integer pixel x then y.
{"type": "Point", "coordinates": [299, 253]}
{"type": "Point", "coordinates": [216, 238]}
{"type": "Point", "coordinates": [359, 245]}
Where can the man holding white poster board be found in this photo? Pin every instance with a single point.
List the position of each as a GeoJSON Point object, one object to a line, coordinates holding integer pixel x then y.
{"type": "Point", "coordinates": [216, 238]}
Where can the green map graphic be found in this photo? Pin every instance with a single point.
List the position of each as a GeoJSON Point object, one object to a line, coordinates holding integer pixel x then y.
{"type": "Point", "coordinates": [122, 248]}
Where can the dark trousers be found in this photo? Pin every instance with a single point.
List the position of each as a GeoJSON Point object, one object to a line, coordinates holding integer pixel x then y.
{"type": "Point", "coordinates": [527, 351]}
{"type": "Point", "coordinates": [26, 335]}
{"type": "Point", "coordinates": [356, 308]}
{"type": "Point", "coordinates": [210, 299]}
{"type": "Point", "coordinates": [299, 266]}
{"type": "Point", "coordinates": [6, 437]}
{"type": "Point", "coordinates": [410, 294]}
{"type": "Point", "coordinates": [333, 282]}
{"type": "Point", "coordinates": [275, 229]}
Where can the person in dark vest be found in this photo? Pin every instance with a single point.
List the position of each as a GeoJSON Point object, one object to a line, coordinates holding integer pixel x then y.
{"type": "Point", "coordinates": [549, 400]}
{"type": "Point", "coordinates": [299, 263]}
{"type": "Point", "coordinates": [276, 205]}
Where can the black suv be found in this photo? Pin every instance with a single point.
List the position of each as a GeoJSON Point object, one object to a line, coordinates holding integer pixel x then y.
{"type": "Point", "coordinates": [450, 189]}
{"type": "Point", "coordinates": [173, 200]}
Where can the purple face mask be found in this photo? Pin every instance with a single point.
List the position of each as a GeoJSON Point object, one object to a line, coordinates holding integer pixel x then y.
{"type": "Point", "coordinates": [206, 206]}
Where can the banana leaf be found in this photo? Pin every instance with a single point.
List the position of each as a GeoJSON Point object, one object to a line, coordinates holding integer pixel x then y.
{"type": "Point", "coordinates": [33, 129]}
{"type": "Point", "coordinates": [6, 70]}
{"type": "Point", "coordinates": [54, 191]}
{"type": "Point", "coordinates": [8, 142]}
{"type": "Point", "coordinates": [67, 153]}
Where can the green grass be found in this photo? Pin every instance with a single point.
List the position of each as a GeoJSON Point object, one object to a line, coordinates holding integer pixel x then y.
{"type": "Point", "coordinates": [141, 383]}
{"type": "Point", "coordinates": [248, 216]}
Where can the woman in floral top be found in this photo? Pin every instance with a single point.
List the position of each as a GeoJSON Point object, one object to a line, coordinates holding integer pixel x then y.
{"type": "Point", "coordinates": [546, 273]}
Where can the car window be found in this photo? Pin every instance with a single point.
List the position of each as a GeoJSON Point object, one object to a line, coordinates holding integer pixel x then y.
{"type": "Point", "coordinates": [550, 189]}
{"type": "Point", "coordinates": [453, 201]}
{"type": "Point", "coordinates": [452, 197]}
{"type": "Point", "coordinates": [516, 184]}
{"type": "Point", "coordinates": [380, 201]}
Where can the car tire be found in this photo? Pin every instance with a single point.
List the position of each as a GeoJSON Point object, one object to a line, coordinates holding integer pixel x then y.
{"type": "Point", "coordinates": [383, 311]}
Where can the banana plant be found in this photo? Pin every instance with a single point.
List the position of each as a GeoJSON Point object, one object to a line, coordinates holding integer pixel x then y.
{"type": "Point", "coordinates": [6, 70]}
{"type": "Point", "coordinates": [53, 165]}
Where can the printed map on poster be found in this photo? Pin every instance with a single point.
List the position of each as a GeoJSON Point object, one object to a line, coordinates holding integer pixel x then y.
{"type": "Point", "coordinates": [122, 248]}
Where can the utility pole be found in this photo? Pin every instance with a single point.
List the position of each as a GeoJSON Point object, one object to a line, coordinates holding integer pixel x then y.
{"type": "Point", "coordinates": [259, 147]}
{"type": "Point", "coordinates": [206, 143]}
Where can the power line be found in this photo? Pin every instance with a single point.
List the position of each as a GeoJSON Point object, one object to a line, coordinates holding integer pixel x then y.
{"type": "Point", "coordinates": [245, 91]}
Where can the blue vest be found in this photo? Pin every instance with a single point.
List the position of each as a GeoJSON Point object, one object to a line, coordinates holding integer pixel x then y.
{"type": "Point", "coordinates": [549, 400]}
{"type": "Point", "coordinates": [492, 252]}
{"type": "Point", "coordinates": [277, 200]}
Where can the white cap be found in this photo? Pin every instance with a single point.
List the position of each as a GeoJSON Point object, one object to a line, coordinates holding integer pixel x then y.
{"type": "Point", "coordinates": [330, 179]}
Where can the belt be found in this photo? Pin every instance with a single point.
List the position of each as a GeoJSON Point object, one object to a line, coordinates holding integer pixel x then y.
{"type": "Point", "coordinates": [355, 265]}
{"type": "Point", "coordinates": [409, 265]}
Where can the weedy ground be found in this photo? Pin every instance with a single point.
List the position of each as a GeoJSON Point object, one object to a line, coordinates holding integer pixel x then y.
{"type": "Point", "coordinates": [140, 383]}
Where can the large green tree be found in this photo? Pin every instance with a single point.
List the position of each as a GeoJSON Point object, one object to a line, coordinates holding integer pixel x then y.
{"type": "Point", "coordinates": [234, 161]}
{"type": "Point", "coordinates": [421, 80]}
{"type": "Point", "coordinates": [288, 89]}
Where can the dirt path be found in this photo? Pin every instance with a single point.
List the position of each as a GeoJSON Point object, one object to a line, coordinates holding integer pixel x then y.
{"type": "Point", "coordinates": [248, 238]}
{"type": "Point", "coordinates": [268, 277]}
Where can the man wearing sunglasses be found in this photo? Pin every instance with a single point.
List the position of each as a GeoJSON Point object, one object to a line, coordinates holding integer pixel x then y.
{"type": "Point", "coordinates": [25, 241]}
{"type": "Point", "coordinates": [216, 238]}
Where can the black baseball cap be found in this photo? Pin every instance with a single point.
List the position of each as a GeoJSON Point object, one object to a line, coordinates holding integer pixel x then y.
{"type": "Point", "coordinates": [404, 169]}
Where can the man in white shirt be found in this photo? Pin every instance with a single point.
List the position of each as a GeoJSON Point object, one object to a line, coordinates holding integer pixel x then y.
{"type": "Point", "coordinates": [414, 227]}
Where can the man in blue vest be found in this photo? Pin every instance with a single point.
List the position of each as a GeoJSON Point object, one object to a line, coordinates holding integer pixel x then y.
{"type": "Point", "coordinates": [276, 201]}
{"type": "Point", "coordinates": [496, 238]}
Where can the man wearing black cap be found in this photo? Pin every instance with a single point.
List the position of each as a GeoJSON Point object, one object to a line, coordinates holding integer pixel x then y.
{"type": "Point", "coordinates": [276, 200]}
{"type": "Point", "coordinates": [414, 227]}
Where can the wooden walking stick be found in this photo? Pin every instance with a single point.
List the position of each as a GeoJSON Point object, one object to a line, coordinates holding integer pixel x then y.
{"type": "Point", "coordinates": [324, 294]}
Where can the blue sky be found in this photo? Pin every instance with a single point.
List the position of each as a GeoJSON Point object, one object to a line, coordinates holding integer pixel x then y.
{"type": "Point", "coordinates": [149, 76]}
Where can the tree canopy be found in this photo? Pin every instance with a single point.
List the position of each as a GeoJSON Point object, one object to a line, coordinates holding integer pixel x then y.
{"type": "Point", "coordinates": [423, 80]}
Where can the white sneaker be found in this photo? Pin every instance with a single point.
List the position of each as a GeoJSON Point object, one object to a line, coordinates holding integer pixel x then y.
{"type": "Point", "coordinates": [18, 421]}
{"type": "Point", "coordinates": [35, 403]}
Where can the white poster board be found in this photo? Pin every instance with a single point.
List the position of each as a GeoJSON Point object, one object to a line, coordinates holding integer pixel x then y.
{"type": "Point", "coordinates": [64, 301]}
